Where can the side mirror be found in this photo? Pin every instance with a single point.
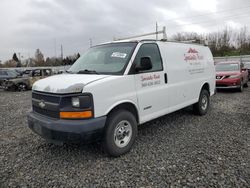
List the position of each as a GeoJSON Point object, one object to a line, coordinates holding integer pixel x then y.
{"type": "Point", "coordinates": [145, 64]}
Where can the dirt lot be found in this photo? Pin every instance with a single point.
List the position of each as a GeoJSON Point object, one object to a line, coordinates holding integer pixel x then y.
{"type": "Point", "coordinates": [176, 150]}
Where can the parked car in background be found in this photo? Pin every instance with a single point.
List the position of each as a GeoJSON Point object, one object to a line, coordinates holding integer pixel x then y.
{"type": "Point", "coordinates": [19, 72]}
{"type": "Point", "coordinates": [26, 72]}
{"type": "Point", "coordinates": [6, 74]}
{"type": "Point", "coordinates": [247, 66]}
{"type": "Point", "coordinates": [26, 82]}
{"type": "Point", "coordinates": [231, 75]}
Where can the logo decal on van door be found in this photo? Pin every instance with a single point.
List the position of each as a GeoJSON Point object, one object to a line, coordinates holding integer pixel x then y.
{"type": "Point", "coordinates": [192, 55]}
{"type": "Point", "coordinates": [195, 61]}
{"type": "Point", "coordinates": [150, 80]}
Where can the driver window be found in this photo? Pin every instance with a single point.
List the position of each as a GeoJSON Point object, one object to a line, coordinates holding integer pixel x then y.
{"type": "Point", "coordinates": [152, 51]}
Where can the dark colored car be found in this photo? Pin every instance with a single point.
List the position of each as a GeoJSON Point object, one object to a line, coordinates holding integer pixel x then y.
{"type": "Point", "coordinates": [247, 66]}
{"type": "Point", "coordinates": [26, 72]}
{"type": "Point", "coordinates": [231, 75]}
{"type": "Point", "coordinates": [6, 74]}
{"type": "Point", "coordinates": [26, 82]}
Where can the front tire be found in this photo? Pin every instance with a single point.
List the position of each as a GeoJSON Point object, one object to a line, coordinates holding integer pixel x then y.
{"type": "Point", "coordinates": [202, 106]}
{"type": "Point", "coordinates": [120, 133]}
{"type": "Point", "coordinates": [22, 87]}
{"type": "Point", "coordinates": [241, 87]}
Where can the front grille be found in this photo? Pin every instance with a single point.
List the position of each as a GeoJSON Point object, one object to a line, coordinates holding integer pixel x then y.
{"type": "Point", "coordinates": [52, 102]}
{"type": "Point", "coordinates": [45, 112]}
{"type": "Point", "coordinates": [46, 97]}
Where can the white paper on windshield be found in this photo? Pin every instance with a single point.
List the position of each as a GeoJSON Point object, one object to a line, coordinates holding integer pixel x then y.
{"type": "Point", "coordinates": [118, 54]}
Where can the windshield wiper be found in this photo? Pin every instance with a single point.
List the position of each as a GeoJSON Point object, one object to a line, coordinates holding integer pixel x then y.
{"type": "Point", "coordinates": [86, 71]}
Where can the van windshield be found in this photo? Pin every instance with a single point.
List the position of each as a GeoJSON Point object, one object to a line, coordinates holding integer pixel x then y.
{"type": "Point", "coordinates": [227, 67]}
{"type": "Point", "coordinates": [247, 65]}
{"type": "Point", "coordinates": [104, 59]}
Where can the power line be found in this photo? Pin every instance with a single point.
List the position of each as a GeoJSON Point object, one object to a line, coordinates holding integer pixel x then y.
{"type": "Point", "coordinates": [199, 15]}
{"type": "Point", "coordinates": [208, 21]}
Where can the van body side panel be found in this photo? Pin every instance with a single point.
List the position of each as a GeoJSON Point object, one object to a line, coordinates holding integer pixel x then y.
{"type": "Point", "coordinates": [188, 68]}
{"type": "Point", "coordinates": [176, 69]}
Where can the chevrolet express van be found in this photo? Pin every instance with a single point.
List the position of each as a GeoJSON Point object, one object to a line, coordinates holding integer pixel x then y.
{"type": "Point", "coordinates": [114, 87]}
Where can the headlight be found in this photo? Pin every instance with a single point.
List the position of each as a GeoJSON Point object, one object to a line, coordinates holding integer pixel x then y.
{"type": "Point", "coordinates": [234, 76]}
{"type": "Point", "coordinates": [75, 101]}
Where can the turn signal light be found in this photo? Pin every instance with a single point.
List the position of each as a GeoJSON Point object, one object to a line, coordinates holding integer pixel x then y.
{"type": "Point", "coordinates": [76, 115]}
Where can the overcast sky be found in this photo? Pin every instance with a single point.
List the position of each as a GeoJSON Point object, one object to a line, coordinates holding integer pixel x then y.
{"type": "Point", "coordinates": [45, 24]}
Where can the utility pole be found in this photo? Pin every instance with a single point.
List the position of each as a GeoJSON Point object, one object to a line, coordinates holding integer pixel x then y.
{"type": "Point", "coordinates": [156, 31]}
{"type": "Point", "coordinates": [164, 33]}
{"type": "Point", "coordinates": [55, 46]}
{"type": "Point", "coordinates": [19, 57]}
{"type": "Point", "coordinates": [61, 52]}
{"type": "Point", "coordinates": [90, 42]}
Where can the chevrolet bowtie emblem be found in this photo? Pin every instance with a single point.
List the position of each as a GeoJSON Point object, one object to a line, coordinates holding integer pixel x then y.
{"type": "Point", "coordinates": [41, 104]}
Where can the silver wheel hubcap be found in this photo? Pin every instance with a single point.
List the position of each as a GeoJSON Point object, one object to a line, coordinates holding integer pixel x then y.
{"type": "Point", "coordinates": [204, 102]}
{"type": "Point", "coordinates": [22, 87]}
{"type": "Point", "coordinates": [122, 134]}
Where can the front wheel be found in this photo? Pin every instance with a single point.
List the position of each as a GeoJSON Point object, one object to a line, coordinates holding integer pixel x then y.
{"type": "Point", "coordinates": [120, 132]}
{"type": "Point", "coordinates": [241, 87]}
{"type": "Point", "coordinates": [22, 87]}
{"type": "Point", "coordinates": [202, 106]}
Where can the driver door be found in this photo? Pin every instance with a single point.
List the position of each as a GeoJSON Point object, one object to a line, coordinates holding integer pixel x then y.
{"type": "Point", "coordinates": [151, 84]}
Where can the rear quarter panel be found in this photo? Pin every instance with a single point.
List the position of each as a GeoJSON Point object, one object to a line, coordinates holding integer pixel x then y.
{"type": "Point", "coordinates": [188, 67]}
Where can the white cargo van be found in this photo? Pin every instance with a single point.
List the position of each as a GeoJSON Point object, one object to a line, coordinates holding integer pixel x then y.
{"type": "Point", "coordinates": [116, 86]}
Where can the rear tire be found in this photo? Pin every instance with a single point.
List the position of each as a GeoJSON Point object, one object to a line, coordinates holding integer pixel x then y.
{"type": "Point", "coordinates": [120, 133]}
{"type": "Point", "coordinates": [246, 85]}
{"type": "Point", "coordinates": [202, 106]}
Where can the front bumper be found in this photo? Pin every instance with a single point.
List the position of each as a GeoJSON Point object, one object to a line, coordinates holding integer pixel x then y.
{"type": "Point", "coordinates": [66, 130]}
{"type": "Point", "coordinates": [232, 83]}
{"type": "Point", "coordinates": [227, 87]}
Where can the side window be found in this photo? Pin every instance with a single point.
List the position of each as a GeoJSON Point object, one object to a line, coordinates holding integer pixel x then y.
{"type": "Point", "coordinates": [3, 73]}
{"type": "Point", "coordinates": [46, 72]}
{"type": "Point", "coordinates": [152, 51]}
{"type": "Point", "coordinates": [36, 73]}
{"type": "Point", "coordinates": [12, 73]}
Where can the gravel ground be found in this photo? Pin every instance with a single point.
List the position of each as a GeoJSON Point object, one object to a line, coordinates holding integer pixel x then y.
{"type": "Point", "coordinates": [177, 150]}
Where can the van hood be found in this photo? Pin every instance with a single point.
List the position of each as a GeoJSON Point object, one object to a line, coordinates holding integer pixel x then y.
{"type": "Point", "coordinates": [66, 83]}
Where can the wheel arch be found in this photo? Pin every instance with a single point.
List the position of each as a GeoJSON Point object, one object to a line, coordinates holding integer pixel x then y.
{"type": "Point", "coordinates": [205, 86]}
{"type": "Point", "coordinates": [126, 105]}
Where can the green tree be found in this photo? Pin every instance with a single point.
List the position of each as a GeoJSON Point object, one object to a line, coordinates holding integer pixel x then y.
{"type": "Point", "coordinates": [15, 58]}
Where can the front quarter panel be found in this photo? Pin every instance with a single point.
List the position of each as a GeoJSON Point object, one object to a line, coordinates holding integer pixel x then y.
{"type": "Point", "coordinates": [110, 92]}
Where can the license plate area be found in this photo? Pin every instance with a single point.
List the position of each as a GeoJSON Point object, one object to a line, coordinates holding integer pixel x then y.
{"type": "Point", "coordinates": [37, 128]}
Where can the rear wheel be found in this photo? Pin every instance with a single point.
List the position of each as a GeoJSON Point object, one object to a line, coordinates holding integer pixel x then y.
{"type": "Point", "coordinates": [246, 85]}
{"type": "Point", "coordinates": [120, 132]}
{"type": "Point", "coordinates": [202, 106]}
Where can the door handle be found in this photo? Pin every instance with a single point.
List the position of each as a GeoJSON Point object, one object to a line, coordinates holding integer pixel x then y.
{"type": "Point", "coordinates": [166, 78]}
